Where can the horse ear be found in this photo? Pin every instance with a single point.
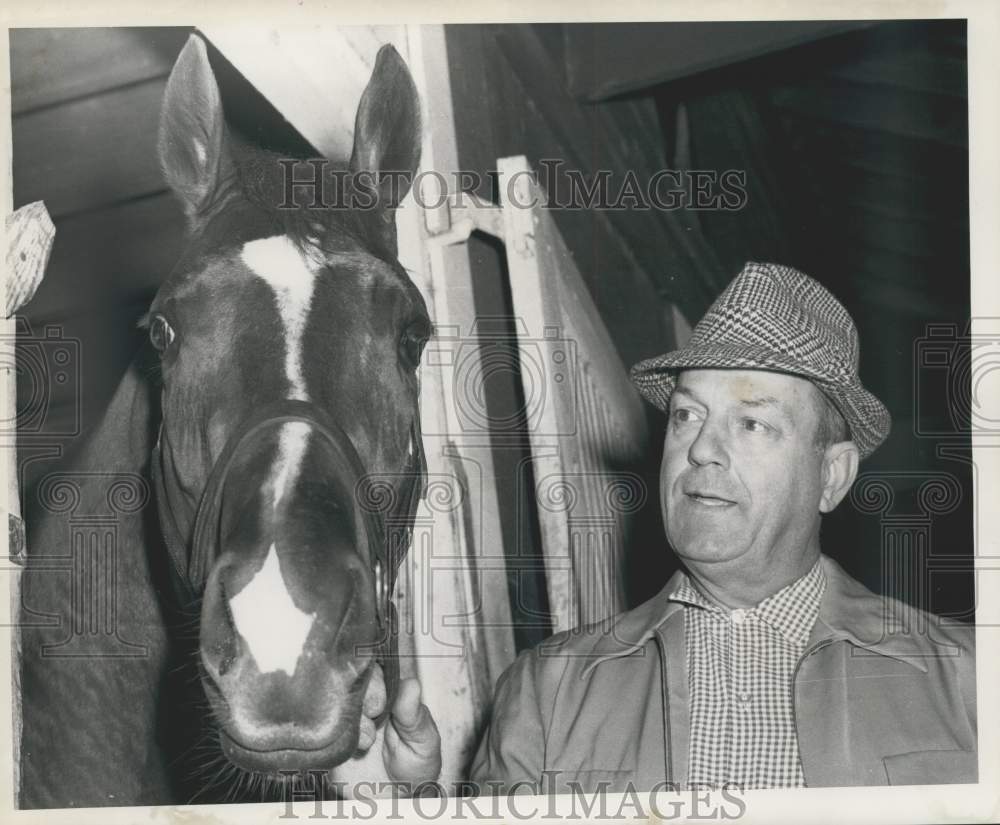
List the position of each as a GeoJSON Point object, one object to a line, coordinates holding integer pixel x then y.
{"type": "Point", "coordinates": [387, 128]}
{"type": "Point", "coordinates": [192, 128]}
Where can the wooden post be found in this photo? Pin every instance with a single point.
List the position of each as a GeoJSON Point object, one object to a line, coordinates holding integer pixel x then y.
{"type": "Point", "coordinates": [29, 241]}
{"type": "Point", "coordinates": [30, 233]}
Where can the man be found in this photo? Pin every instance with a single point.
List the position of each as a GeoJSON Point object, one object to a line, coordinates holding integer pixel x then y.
{"type": "Point", "coordinates": [761, 663]}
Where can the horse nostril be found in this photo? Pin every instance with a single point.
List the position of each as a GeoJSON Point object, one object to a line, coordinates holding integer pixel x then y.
{"type": "Point", "coordinates": [224, 651]}
{"type": "Point", "coordinates": [219, 641]}
{"type": "Point", "coordinates": [226, 658]}
{"type": "Point", "coordinates": [227, 614]}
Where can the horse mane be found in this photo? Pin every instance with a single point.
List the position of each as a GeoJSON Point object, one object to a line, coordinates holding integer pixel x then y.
{"type": "Point", "coordinates": [258, 176]}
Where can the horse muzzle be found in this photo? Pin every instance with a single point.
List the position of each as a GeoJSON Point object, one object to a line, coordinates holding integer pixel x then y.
{"type": "Point", "coordinates": [288, 637]}
{"type": "Point", "coordinates": [295, 613]}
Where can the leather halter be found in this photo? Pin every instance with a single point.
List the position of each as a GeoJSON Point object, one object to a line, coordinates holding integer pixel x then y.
{"type": "Point", "coordinates": [388, 536]}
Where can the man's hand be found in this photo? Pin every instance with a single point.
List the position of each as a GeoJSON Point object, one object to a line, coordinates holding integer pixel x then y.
{"type": "Point", "coordinates": [411, 744]}
{"type": "Point", "coordinates": [412, 747]}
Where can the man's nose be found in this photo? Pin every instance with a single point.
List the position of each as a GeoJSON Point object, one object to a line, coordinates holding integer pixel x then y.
{"type": "Point", "coordinates": [710, 446]}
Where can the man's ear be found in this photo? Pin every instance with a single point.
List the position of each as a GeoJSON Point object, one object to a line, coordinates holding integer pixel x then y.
{"type": "Point", "coordinates": [840, 468]}
{"type": "Point", "coordinates": [192, 133]}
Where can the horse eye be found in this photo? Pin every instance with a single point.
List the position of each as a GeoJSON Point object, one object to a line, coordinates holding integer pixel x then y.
{"type": "Point", "coordinates": [161, 334]}
{"type": "Point", "coordinates": [411, 344]}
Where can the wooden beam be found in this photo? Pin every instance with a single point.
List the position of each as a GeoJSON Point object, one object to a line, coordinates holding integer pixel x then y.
{"type": "Point", "coordinates": [90, 152]}
{"type": "Point", "coordinates": [889, 110]}
{"type": "Point", "coordinates": [603, 60]}
{"type": "Point", "coordinates": [29, 233]}
{"type": "Point", "coordinates": [316, 89]}
{"type": "Point", "coordinates": [107, 256]}
{"type": "Point", "coordinates": [663, 249]}
{"type": "Point", "coordinates": [54, 65]}
{"type": "Point", "coordinates": [915, 70]}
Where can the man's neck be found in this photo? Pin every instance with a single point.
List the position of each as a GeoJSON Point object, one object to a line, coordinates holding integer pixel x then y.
{"type": "Point", "coordinates": [732, 588]}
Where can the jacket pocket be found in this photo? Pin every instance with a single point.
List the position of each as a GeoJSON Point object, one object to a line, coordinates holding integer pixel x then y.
{"type": "Point", "coordinates": [945, 767]}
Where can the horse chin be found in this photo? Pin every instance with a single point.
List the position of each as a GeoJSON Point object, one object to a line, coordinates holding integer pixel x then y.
{"type": "Point", "coordinates": [284, 756]}
{"type": "Point", "coordinates": [283, 762]}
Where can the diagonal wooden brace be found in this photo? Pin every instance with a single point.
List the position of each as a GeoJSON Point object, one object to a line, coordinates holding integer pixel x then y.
{"type": "Point", "coordinates": [459, 215]}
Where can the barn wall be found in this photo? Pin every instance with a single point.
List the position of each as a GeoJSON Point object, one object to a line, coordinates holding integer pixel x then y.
{"type": "Point", "coordinates": [85, 106]}
{"type": "Point", "coordinates": [855, 150]}
{"type": "Point", "coordinates": [857, 165]}
{"type": "Point", "coordinates": [511, 96]}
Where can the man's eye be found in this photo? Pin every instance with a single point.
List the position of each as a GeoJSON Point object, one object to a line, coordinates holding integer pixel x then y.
{"type": "Point", "coordinates": [754, 425]}
{"type": "Point", "coordinates": [682, 415]}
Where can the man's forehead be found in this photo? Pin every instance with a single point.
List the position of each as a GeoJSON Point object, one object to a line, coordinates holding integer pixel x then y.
{"type": "Point", "coordinates": [753, 388]}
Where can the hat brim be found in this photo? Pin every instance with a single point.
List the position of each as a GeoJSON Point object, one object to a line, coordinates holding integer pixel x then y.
{"type": "Point", "coordinates": [867, 418]}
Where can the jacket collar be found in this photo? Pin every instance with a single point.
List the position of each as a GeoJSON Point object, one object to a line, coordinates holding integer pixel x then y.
{"type": "Point", "coordinates": [848, 611]}
{"type": "Point", "coordinates": [631, 630]}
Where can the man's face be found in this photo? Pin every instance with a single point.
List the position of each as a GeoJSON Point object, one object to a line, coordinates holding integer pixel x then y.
{"type": "Point", "coordinates": [741, 478]}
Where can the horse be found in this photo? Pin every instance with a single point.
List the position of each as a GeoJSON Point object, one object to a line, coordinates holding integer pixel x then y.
{"type": "Point", "coordinates": [207, 599]}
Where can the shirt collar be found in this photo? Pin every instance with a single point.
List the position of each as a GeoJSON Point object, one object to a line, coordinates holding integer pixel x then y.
{"type": "Point", "coordinates": [791, 611]}
{"type": "Point", "coordinates": [847, 610]}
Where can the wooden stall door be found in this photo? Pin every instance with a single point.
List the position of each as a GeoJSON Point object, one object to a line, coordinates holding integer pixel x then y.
{"type": "Point", "coordinates": [586, 424]}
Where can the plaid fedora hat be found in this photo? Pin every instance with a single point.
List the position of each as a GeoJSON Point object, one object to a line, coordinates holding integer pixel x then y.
{"type": "Point", "coordinates": [776, 318]}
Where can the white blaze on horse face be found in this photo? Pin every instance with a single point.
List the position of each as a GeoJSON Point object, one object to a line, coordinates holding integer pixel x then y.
{"type": "Point", "coordinates": [265, 615]}
{"type": "Point", "coordinates": [281, 264]}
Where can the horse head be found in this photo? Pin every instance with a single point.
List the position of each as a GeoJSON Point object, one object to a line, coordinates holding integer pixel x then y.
{"type": "Point", "coordinates": [289, 338]}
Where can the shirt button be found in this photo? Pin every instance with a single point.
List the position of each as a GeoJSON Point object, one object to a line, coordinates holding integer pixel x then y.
{"type": "Point", "coordinates": [738, 616]}
{"type": "Point", "coordinates": [743, 696]}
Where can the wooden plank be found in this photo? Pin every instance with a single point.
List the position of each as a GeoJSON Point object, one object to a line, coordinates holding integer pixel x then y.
{"type": "Point", "coordinates": [473, 89]}
{"type": "Point", "coordinates": [930, 240]}
{"type": "Point", "coordinates": [548, 124]}
{"type": "Point", "coordinates": [878, 152]}
{"type": "Point", "coordinates": [896, 111]}
{"type": "Point", "coordinates": [726, 133]}
{"type": "Point", "coordinates": [108, 256]}
{"type": "Point", "coordinates": [584, 417]}
{"type": "Point", "coordinates": [870, 296]}
{"type": "Point", "coordinates": [928, 283]}
{"type": "Point", "coordinates": [897, 196]}
{"type": "Point", "coordinates": [461, 608]}
{"type": "Point", "coordinates": [915, 70]}
{"type": "Point", "coordinates": [604, 60]}
{"type": "Point", "coordinates": [53, 65]}
{"type": "Point", "coordinates": [89, 152]}
{"type": "Point", "coordinates": [522, 108]}
{"type": "Point", "coordinates": [30, 233]}
{"type": "Point", "coordinates": [316, 89]}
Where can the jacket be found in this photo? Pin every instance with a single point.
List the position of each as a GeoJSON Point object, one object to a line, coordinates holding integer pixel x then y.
{"type": "Point", "coordinates": [883, 695]}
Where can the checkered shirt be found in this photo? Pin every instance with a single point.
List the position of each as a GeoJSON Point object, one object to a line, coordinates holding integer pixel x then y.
{"type": "Point", "coordinates": [740, 669]}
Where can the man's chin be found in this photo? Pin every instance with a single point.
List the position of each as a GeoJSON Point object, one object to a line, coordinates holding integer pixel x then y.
{"type": "Point", "coordinates": [706, 546]}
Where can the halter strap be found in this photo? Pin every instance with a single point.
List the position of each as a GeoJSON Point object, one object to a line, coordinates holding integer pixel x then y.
{"type": "Point", "coordinates": [384, 535]}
